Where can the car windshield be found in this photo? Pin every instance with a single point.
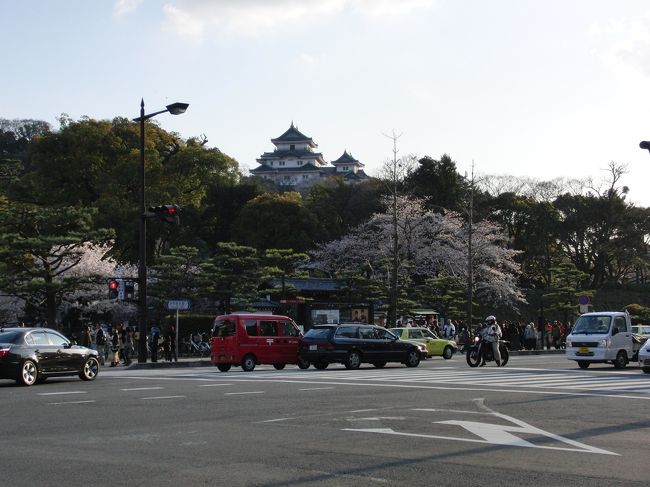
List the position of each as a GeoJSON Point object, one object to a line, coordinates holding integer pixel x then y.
{"type": "Point", "coordinates": [384, 334]}
{"type": "Point", "coordinates": [9, 336]}
{"type": "Point", "coordinates": [586, 325]}
{"type": "Point", "coordinates": [319, 333]}
{"type": "Point", "coordinates": [428, 333]}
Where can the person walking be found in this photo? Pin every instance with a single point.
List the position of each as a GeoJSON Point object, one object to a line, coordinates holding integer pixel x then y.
{"type": "Point", "coordinates": [115, 347]}
{"type": "Point", "coordinates": [128, 345]}
{"type": "Point", "coordinates": [155, 335]}
{"type": "Point", "coordinates": [86, 337]}
{"type": "Point", "coordinates": [171, 337]}
{"type": "Point", "coordinates": [101, 343]}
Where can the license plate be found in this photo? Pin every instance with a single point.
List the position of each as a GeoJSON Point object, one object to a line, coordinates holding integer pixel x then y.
{"type": "Point", "coordinates": [313, 347]}
{"type": "Point", "coordinates": [584, 349]}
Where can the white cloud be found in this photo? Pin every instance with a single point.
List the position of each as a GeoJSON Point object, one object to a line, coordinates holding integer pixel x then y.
{"type": "Point", "coordinates": [623, 43]}
{"type": "Point", "coordinates": [192, 18]}
{"type": "Point", "coordinates": [125, 7]}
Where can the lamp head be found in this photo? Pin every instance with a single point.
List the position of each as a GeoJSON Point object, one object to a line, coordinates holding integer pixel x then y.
{"type": "Point", "coordinates": [177, 108]}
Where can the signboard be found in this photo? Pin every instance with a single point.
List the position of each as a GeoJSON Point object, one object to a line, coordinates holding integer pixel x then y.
{"type": "Point", "coordinates": [178, 304]}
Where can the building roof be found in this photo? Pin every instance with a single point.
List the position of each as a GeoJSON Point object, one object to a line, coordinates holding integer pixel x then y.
{"type": "Point", "coordinates": [347, 159]}
{"type": "Point", "coordinates": [293, 135]}
{"type": "Point", "coordinates": [312, 284]}
{"type": "Point", "coordinates": [283, 154]}
{"type": "Point", "coordinates": [280, 170]}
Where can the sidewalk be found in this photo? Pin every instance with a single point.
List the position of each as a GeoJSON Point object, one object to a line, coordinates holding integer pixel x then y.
{"type": "Point", "coordinates": [205, 361]}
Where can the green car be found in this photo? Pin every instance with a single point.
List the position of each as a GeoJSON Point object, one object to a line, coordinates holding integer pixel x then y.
{"type": "Point", "coordinates": [436, 347]}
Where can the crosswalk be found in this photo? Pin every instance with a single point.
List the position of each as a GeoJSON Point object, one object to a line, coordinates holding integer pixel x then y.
{"type": "Point", "coordinates": [533, 379]}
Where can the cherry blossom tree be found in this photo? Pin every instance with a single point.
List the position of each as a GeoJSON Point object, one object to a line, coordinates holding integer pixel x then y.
{"type": "Point", "coordinates": [428, 245]}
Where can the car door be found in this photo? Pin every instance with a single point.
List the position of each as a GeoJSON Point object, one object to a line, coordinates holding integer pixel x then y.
{"type": "Point", "coordinates": [224, 343]}
{"type": "Point", "coordinates": [369, 345]}
{"type": "Point", "coordinates": [389, 348]}
{"type": "Point", "coordinates": [44, 351]}
{"type": "Point", "coordinates": [622, 340]}
{"type": "Point", "coordinates": [68, 358]}
{"type": "Point", "coordinates": [434, 344]}
{"type": "Point", "coordinates": [270, 345]}
{"type": "Point", "coordinates": [289, 338]}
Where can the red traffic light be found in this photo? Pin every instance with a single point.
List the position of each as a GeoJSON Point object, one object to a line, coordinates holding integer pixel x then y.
{"type": "Point", "coordinates": [167, 213]}
{"type": "Point", "coordinates": [113, 289]}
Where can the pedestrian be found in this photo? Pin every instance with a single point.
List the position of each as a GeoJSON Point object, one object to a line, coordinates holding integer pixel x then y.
{"type": "Point", "coordinates": [166, 349]}
{"type": "Point", "coordinates": [449, 330]}
{"type": "Point", "coordinates": [155, 335]}
{"type": "Point", "coordinates": [530, 336]}
{"type": "Point", "coordinates": [171, 336]}
{"type": "Point", "coordinates": [128, 345]}
{"type": "Point", "coordinates": [86, 338]}
{"type": "Point", "coordinates": [115, 347]}
{"type": "Point", "coordinates": [101, 343]}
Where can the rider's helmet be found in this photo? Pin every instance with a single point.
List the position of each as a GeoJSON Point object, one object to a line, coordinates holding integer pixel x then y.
{"type": "Point", "coordinates": [490, 320]}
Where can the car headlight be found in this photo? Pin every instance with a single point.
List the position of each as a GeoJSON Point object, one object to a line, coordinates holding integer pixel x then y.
{"type": "Point", "coordinates": [604, 343]}
{"type": "Point", "coordinates": [568, 343]}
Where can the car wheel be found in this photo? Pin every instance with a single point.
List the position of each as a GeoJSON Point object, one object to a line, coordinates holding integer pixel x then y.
{"type": "Point", "coordinates": [379, 365]}
{"type": "Point", "coordinates": [621, 360]}
{"type": "Point", "coordinates": [473, 357]}
{"type": "Point", "coordinates": [224, 367]}
{"type": "Point", "coordinates": [321, 365]}
{"type": "Point", "coordinates": [353, 360]}
{"type": "Point", "coordinates": [89, 369]}
{"type": "Point", "coordinates": [303, 364]}
{"type": "Point", "coordinates": [583, 364]}
{"type": "Point", "coordinates": [412, 358]}
{"type": "Point", "coordinates": [646, 370]}
{"type": "Point", "coordinates": [28, 374]}
{"type": "Point", "coordinates": [278, 366]}
{"type": "Point", "coordinates": [248, 363]}
{"type": "Point", "coordinates": [447, 353]}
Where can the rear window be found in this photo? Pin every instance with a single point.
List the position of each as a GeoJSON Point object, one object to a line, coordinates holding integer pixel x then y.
{"type": "Point", "coordinates": [319, 333]}
{"type": "Point", "coordinates": [9, 336]}
{"type": "Point", "coordinates": [225, 328]}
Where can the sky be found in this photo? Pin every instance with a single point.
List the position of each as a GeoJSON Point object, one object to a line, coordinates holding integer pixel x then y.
{"type": "Point", "coordinates": [529, 88]}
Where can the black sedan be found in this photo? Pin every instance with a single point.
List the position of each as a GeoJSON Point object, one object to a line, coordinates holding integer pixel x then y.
{"type": "Point", "coordinates": [353, 344]}
{"type": "Point", "coordinates": [30, 355]}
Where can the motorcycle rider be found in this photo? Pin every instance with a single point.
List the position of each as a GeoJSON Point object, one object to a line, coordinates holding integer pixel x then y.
{"type": "Point", "coordinates": [492, 334]}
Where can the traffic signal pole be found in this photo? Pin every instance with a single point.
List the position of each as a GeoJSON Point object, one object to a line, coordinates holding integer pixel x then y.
{"type": "Point", "coordinates": [142, 253]}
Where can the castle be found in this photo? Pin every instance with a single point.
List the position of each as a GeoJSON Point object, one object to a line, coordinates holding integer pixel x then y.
{"type": "Point", "coordinates": [294, 163]}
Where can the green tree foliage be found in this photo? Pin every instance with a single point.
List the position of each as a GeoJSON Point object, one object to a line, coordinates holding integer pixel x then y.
{"type": "Point", "coordinates": [278, 221]}
{"type": "Point", "coordinates": [176, 275]}
{"type": "Point", "coordinates": [37, 246]}
{"type": "Point", "coordinates": [561, 295]}
{"type": "Point", "coordinates": [96, 163]}
{"type": "Point", "coordinates": [233, 273]}
{"type": "Point", "coordinates": [445, 293]}
{"type": "Point", "coordinates": [438, 182]}
{"type": "Point", "coordinates": [339, 206]}
{"type": "Point", "coordinates": [284, 263]}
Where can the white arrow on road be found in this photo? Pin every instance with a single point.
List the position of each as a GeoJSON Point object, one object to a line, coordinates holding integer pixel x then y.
{"type": "Point", "coordinates": [496, 434]}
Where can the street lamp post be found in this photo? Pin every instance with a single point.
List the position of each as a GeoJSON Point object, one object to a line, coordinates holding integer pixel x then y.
{"type": "Point", "coordinates": [174, 109]}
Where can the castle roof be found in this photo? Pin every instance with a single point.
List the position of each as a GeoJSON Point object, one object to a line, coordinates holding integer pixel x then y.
{"type": "Point", "coordinates": [293, 135]}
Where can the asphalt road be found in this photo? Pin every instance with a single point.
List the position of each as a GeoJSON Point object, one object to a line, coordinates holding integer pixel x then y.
{"type": "Point", "coordinates": [538, 421]}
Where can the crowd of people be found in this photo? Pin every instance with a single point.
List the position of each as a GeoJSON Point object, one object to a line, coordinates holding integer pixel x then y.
{"type": "Point", "coordinates": [117, 344]}
{"type": "Point", "coordinates": [520, 335]}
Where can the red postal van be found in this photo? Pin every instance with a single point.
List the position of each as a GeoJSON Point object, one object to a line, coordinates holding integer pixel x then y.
{"type": "Point", "coordinates": [249, 339]}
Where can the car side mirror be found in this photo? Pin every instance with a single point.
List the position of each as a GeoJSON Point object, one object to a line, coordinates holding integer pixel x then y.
{"type": "Point", "coordinates": [67, 345]}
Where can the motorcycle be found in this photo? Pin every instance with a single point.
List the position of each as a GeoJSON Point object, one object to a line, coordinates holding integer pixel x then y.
{"type": "Point", "coordinates": [482, 351]}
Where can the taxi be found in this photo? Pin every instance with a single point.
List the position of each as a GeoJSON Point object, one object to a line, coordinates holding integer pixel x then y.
{"type": "Point", "coordinates": [436, 346]}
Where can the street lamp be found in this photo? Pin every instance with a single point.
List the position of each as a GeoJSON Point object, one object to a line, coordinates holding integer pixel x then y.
{"type": "Point", "coordinates": [174, 109]}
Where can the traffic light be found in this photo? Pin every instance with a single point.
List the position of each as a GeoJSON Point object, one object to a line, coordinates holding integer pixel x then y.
{"type": "Point", "coordinates": [129, 291]}
{"type": "Point", "coordinates": [113, 287]}
{"type": "Point", "coordinates": [168, 213]}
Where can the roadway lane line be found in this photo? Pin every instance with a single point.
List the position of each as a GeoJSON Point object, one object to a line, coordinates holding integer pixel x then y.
{"type": "Point", "coordinates": [214, 385]}
{"type": "Point", "coordinates": [316, 389]}
{"type": "Point", "coordinates": [70, 402]}
{"type": "Point", "coordinates": [60, 393]}
{"type": "Point", "coordinates": [141, 388]}
{"type": "Point", "coordinates": [160, 397]}
{"type": "Point", "coordinates": [242, 393]}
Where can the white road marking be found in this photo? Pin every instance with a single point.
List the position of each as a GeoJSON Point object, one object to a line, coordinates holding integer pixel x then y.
{"type": "Point", "coordinates": [160, 397]}
{"type": "Point", "coordinates": [275, 420]}
{"type": "Point", "coordinates": [316, 389]}
{"type": "Point", "coordinates": [61, 393]}
{"type": "Point", "coordinates": [70, 402]}
{"type": "Point", "coordinates": [141, 388]}
{"type": "Point", "coordinates": [496, 434]}
{"type": "Point", "coordinates": [214, 385]}
{"type": "Point", "coordinates": [242, 393]}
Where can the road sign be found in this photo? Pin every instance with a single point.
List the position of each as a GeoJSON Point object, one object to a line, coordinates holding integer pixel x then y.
{"type": "Point", "coordinates": [583, 300]}
{"type": "Point", "coordinates": [178, 304]}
